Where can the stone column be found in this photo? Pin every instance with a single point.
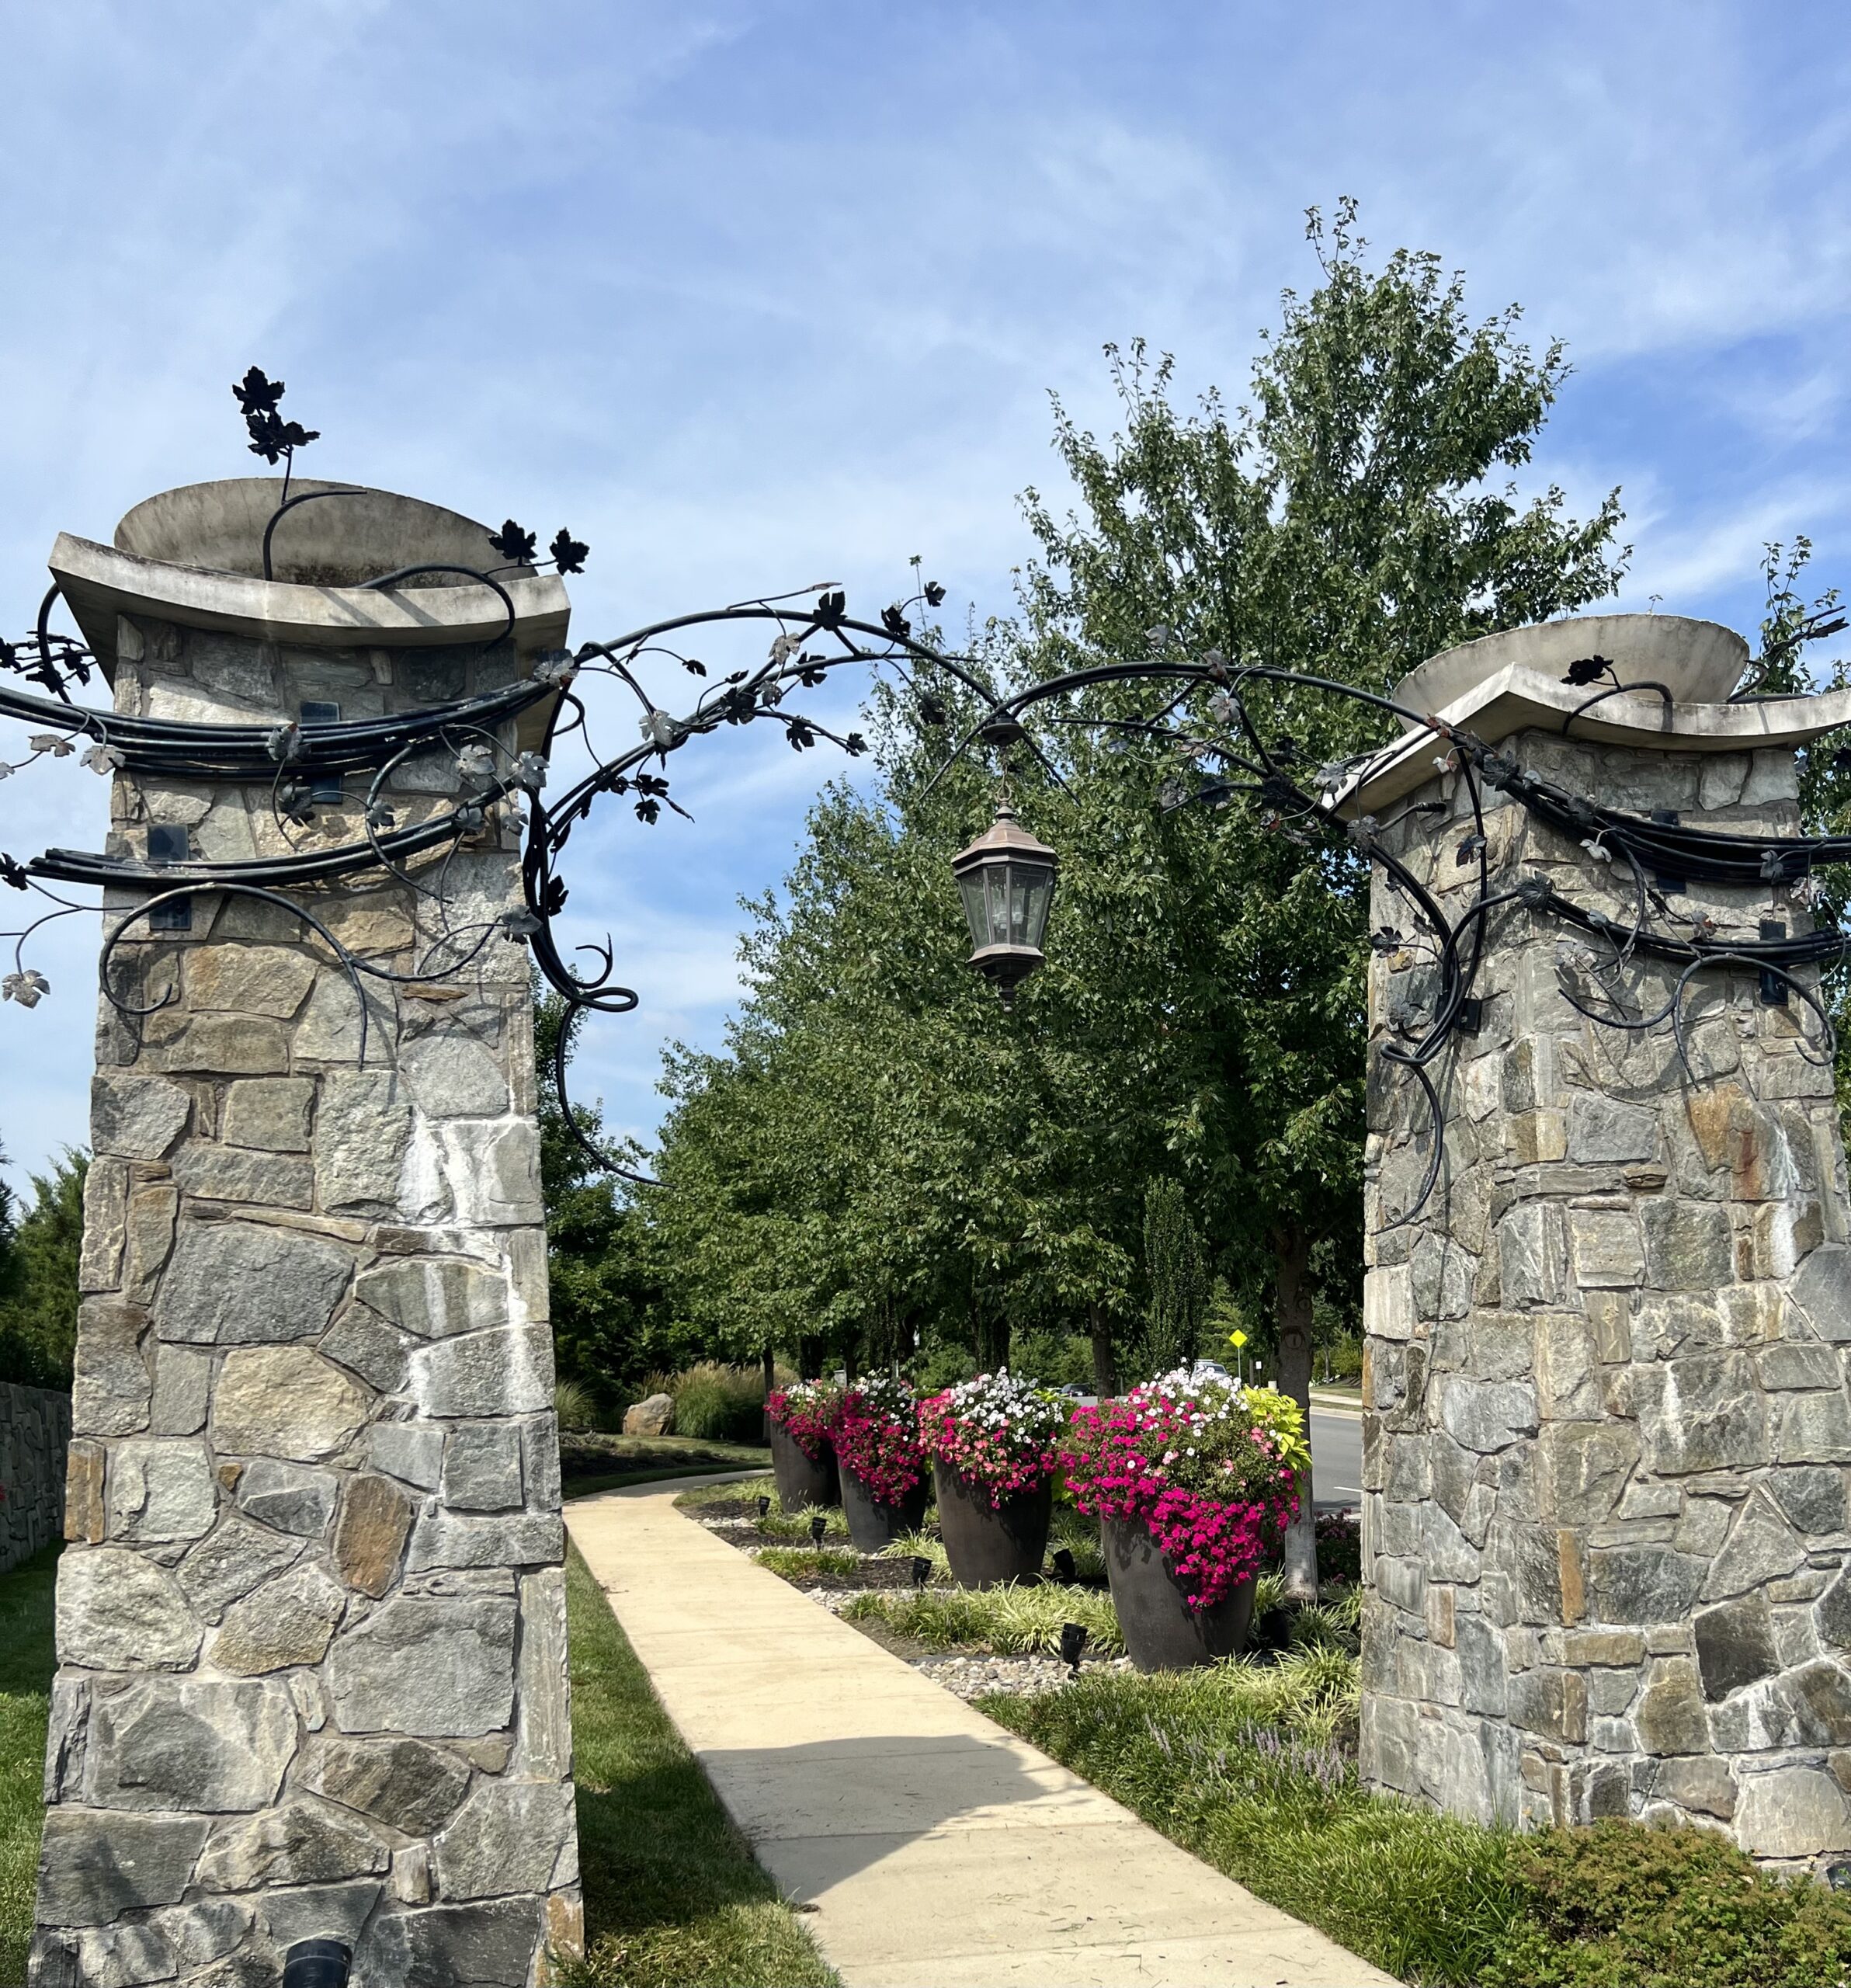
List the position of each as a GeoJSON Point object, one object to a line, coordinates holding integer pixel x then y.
{"type": "Point", "coordinates": [311, 1621]}
{"type": "Point", "coordinates": [1604, 1527]}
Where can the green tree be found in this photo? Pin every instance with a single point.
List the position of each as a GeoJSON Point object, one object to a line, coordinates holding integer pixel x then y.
{"type": "Point", "coordinates": [1179, 1281]}
{"type": "Point", "coordinates": [604, 1296]}
{"type": "Point", "coordinates": [880, 1140]}
{"type": "Point", "coordinates": [38, 1252]}
{"type": "Point", "coordinates": [1347, 523]}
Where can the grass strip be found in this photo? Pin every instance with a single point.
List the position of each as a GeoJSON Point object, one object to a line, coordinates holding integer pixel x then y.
{"type": "Point", "coordinates": [27, 1660]}
{"type": "Point", "coordinates": [1237, 1762]}
{"type": "Point", "coordinates": [585, 1487]}
{"type": "Point", "coordinates": [1010, 1621]}
{"type": "Point", "coordinates": [673, 1897]}
{"type": "Point", "coordinates": [786, 1562]}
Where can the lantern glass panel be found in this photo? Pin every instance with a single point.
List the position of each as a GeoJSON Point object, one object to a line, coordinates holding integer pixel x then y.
{"type": "Point", "coordinates": [976, 910]}
{"type": "Point", "coordinates": [996, 887]}
{"type": "Point", "coordinates": [1031, 889]}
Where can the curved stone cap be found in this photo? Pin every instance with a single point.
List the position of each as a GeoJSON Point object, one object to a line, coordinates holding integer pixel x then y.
{"type": "Point", "coordinates": [100, 583]}
{"type": "Point", "coordinates": [1699, 663]}
{"type": "Point", "coordinates": [1517, 699]}
{"type": "Point", "coordinates": [338, 541]}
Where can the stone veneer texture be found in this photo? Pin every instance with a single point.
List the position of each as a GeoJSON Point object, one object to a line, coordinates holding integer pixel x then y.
{"type": "Point", "coordinates": [311, 1621]}
{"type": "Point", "coordinates": [35, 1435]}
{"type": "Point", "coordinates": [1606, 1427]}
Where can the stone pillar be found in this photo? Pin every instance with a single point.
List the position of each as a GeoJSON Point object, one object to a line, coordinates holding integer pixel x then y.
{"type": "Point", "coordinates": [311, 1621]}
{"type": "Point", "coordinates": [1604, 1527]}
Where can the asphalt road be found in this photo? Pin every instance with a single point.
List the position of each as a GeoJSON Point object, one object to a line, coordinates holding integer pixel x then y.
{"type": "Point", "coordinates": [1336, 1457]}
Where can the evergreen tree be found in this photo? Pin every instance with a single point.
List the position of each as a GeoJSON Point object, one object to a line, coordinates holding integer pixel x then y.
{"type": "Point", "coordinates": [38, 1276]}
{"type": "Point", "coordinates": [1179, 1282]}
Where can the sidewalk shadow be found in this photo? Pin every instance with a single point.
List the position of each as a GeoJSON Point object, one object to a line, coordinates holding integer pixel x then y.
{"type": "Point", "coordinates": [850, 1804]}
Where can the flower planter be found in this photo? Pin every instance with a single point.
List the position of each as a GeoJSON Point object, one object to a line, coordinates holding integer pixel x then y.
{"type": "Point", "coordinates": [803, 1481]}
{"type": "Point", "coordinates": [1162, 1632]}
{"type": "Point", "coordinates": [873, 1525]}
{"type": "Point", "coordinates": [989, 1545]}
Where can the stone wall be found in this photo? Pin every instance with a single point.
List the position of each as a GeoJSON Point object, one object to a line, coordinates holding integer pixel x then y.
{"type": "Point", "coordinates": [35, 1434]}
{"type": "Point", "coordinates": [1607, 1423]}
{"type": "Point", "coordinates": [311, 1623]}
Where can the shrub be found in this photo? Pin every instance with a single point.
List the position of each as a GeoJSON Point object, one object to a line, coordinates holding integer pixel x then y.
{"type": "Point", "coordinates": [719, 1404]}
{"type": "Point", "coordinates": [576, 1411]}
{"type": "Point", "coordinates": [1339, 1550]}
{"type": "Point", "coordinates": [1621, 1906]}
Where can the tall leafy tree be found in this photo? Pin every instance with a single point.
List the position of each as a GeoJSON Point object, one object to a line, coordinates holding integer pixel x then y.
{"type": "Point", "coordinates": [881, 1140]}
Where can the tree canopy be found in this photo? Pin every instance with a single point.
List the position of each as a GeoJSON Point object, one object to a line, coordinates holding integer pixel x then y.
{"type": "Point", "coordinates": [881, 1160]}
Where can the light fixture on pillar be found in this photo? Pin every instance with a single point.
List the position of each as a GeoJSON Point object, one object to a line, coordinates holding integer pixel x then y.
{"type": "Point", "coordinates": [1007, 878]}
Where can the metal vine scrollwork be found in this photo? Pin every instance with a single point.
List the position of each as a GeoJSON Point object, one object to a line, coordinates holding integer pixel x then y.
{"type": "Point", "coordinates": [1203, 722]}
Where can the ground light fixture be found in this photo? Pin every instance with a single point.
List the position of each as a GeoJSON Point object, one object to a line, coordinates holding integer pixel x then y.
{"type": "Point", "coordinates": [922, 1570]}
{"type": "Point", "coordinates": [317, 1964]}
{"type": "Point", "coordinates": [1064, 1565]}
{"type": "Point", "coordinates": [764, 1507]}
{"type": "Point", "coordinates": [818, 1526]}
{"type": "Point", "coordinates": [1007, 880]}
{"type": "Point", "coordinates": [1073, 1645]}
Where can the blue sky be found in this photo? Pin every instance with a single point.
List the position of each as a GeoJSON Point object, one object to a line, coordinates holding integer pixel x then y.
{"type": "Point", "coordinates": [754, 294]}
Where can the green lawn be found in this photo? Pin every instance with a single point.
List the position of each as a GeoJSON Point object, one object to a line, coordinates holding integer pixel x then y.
{"type": "Point", "coordinates": [27, 1663]}
{"type": "Point", "coordinates": [673, 1897]}
{"type": "Point", "coordinates": [593, 1463]}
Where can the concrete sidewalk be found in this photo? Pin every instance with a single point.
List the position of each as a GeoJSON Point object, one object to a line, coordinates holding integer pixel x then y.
{"type": "Point", "coordinates": [935, 1850]}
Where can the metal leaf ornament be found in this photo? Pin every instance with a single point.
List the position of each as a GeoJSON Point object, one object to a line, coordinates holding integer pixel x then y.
{"type": "Point", "coordinates": [895, 623]}
{"type": "Point", "coordinates": [256, 394]}
{"type": "Point", "coordinates": [1587, 669]}
{"type": "Point", "coordinates": [273, 438]}
{"type": "Point", "coordinates": [935, 594]}
{"type": "Point", "coordinates": [515, 545]}
{"type": "Point", "coordinates": [28, 988]}
{"type": "Point", "coordinates": [569, 554]}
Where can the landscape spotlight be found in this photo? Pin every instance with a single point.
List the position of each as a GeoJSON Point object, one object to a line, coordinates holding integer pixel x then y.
{"type": "Point", "coordinates": [922, 1570]}
{"type": "Point", "coordinates": [1064, 1566]}
{"type": "Point", "coordinates": [1007, 878]}
{"type": "Point", "coordinates": [764, 1506]}
{"type": "Point", "coordinates": [818, 1526]}
{"type": "Point", "coordinates": [1073, 1644]}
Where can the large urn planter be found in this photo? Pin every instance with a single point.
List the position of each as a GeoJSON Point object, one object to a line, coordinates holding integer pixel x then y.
{"type": "Point", "coordinates": [1162, 1632]}
{"type": "Point", "coordinates": [987, 1545]}
{"type": "Point", "coordinates": [803, 1480]}
{"type": "Point", "coordinates": [874, 1524]}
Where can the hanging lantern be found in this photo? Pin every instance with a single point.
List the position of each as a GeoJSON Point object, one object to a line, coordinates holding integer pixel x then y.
{"type": "Point", "coordinates": [1007, 878]}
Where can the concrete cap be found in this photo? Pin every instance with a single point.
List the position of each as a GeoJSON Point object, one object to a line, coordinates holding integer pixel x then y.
{"type": "Point", "coordinates": [338, 541]}
{"type": "Point", "coordinates": [1699, 663]}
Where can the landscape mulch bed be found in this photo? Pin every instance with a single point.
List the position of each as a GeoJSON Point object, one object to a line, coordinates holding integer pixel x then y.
{"type": "Point", "coordinates": [868, 1574]}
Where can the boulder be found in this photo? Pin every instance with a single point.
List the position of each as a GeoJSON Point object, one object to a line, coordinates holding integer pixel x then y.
{"type": "Point", "coordinates": [653, 1415]}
